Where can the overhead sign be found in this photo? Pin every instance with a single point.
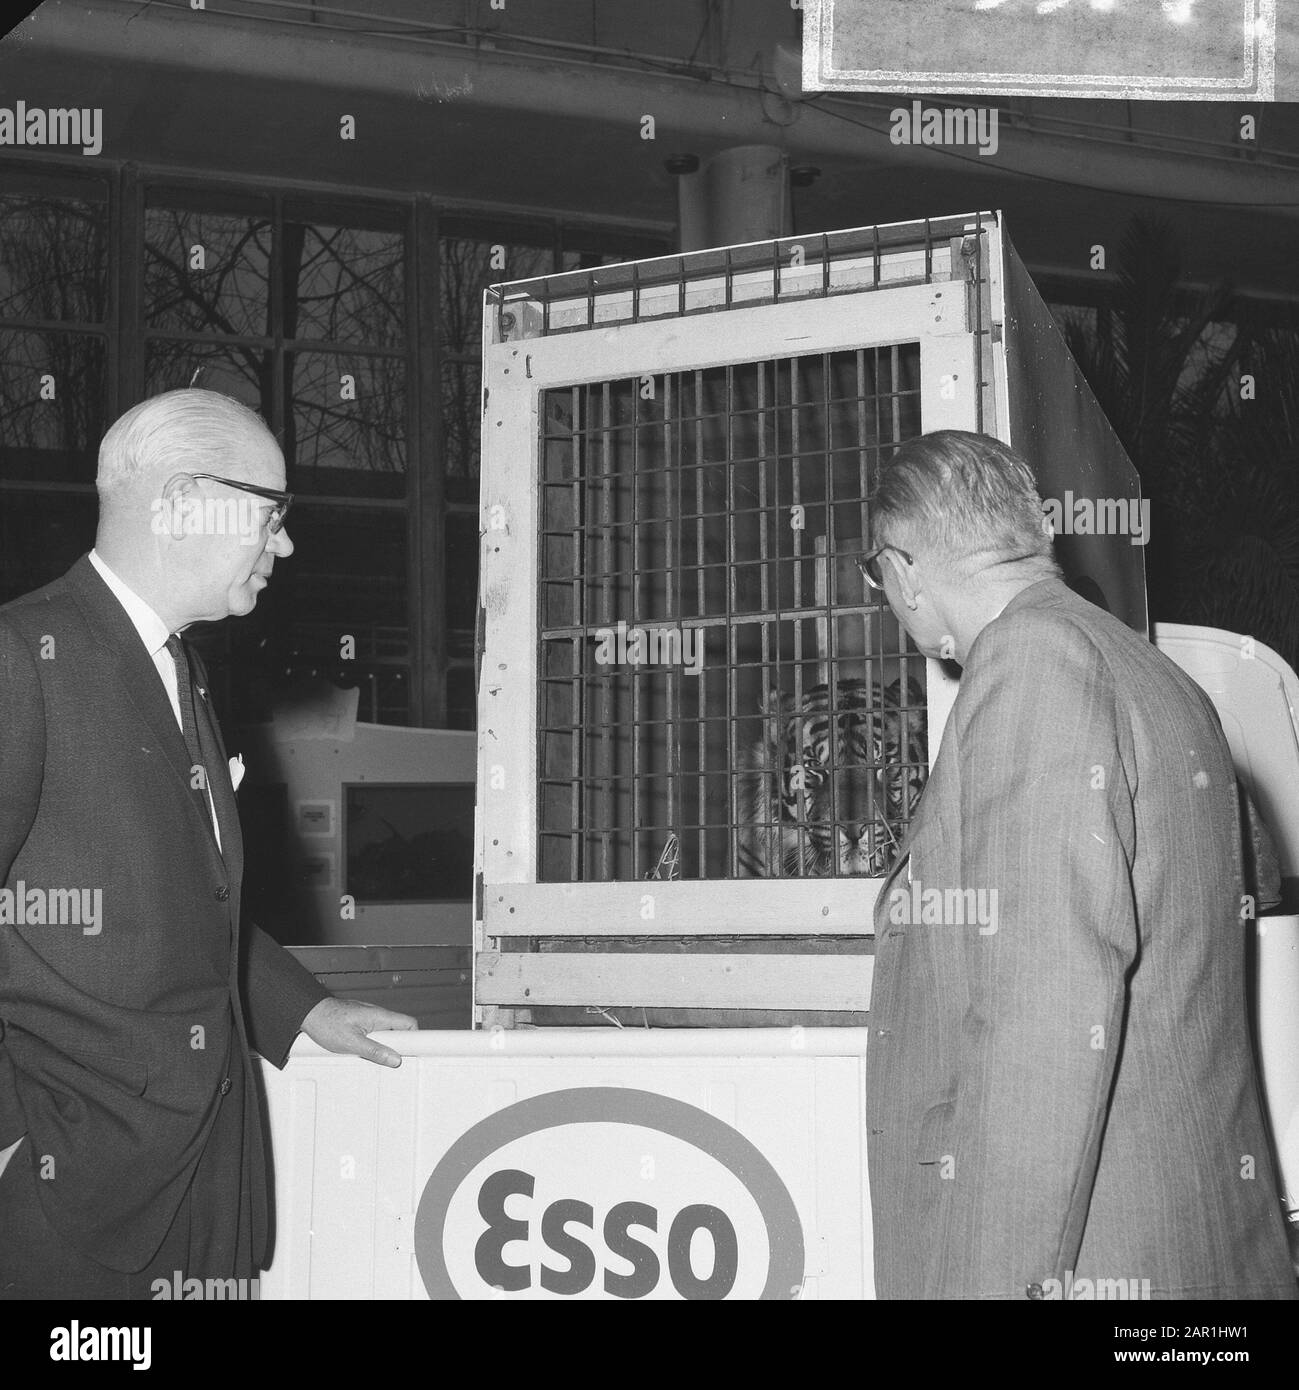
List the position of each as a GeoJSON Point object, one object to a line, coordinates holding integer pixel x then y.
{"type": "Point", "coordinates": [607, 1192]}
{"type": "Point", "coordinates": [1188, 50]}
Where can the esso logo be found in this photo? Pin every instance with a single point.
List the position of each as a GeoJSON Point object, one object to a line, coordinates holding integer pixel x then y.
{"type": "Point", "coordinates": [607, 1192]}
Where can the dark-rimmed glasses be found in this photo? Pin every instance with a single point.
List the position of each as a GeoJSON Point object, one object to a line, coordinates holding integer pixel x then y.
{"type": "Point", "coordinates": [283, 500]}
{"type": "Point", "coordinates": [869, 564]}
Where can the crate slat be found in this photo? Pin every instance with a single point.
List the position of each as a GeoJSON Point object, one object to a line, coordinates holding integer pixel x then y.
{"type": "Point", "coordinates": [698, 981]}
{"type": "Point", "coordinates": [750, 907]}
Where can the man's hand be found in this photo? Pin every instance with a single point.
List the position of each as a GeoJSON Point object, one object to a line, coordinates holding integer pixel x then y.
{"type": "Point", "coordinates": [342, 1025]}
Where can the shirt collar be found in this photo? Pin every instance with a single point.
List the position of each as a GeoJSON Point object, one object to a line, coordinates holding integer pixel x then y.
{"type": "Point", "coordinates": [153, 631]}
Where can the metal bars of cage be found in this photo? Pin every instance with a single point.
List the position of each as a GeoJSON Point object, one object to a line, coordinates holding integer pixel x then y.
{"type": "Point", "coordinates": [982, 335]}
{"type": "Point", "coordinates": [635, 521]}
{"type": "Point", "coordinates": [729, 552]}
{"type": "Point", "coordinates": [761, 273]}
{"type": "Point", "coordinates": [831, 629]}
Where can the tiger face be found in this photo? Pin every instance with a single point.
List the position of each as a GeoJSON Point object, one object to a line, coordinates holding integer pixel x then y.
{"type": "Point", "coordinates": [849, 781]}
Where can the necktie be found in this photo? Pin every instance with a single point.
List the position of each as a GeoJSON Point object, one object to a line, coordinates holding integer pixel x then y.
{"type": "Point", "coordinates": [189, 725]}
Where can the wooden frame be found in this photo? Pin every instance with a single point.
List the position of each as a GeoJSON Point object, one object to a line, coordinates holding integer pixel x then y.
{"type": "Point", "coordinates": [509, 903]}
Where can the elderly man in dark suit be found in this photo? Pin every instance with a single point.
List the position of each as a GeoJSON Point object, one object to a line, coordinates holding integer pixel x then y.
{"type": "Point", "coordinates": [1061, 1091]}
{"type": "Point", "coordinates": [130, 1138]}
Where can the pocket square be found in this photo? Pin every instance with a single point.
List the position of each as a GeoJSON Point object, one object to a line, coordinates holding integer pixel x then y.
{"type": "Point", "coordinates": [237, 770]}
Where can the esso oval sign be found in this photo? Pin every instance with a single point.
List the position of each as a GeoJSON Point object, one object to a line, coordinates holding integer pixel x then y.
{"type": "Point", "coordinates": [607, 1192]}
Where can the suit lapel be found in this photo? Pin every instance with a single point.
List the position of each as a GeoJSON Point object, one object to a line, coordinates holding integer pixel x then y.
{"type": "Point", "coordinates": [902, 864]}
{"type": "Point", "coordinates": [930, 807]}
{"type": "Point", "coordinates": [131, 665]}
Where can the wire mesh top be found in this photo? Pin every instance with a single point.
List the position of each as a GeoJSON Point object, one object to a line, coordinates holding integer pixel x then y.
{"type": "Point", "coordinates": [815, 265]}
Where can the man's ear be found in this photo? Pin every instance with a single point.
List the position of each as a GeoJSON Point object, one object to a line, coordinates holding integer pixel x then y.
{"type": "Point", "coordinates": [177, 502]}
{"type": "Point", "coordinates": [907, 580]}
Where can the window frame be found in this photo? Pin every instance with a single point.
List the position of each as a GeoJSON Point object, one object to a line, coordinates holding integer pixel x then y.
{"type": "Point", "coordinates": [128, 191]}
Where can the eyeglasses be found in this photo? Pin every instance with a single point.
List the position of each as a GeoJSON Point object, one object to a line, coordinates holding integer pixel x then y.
{"type": "Point", "coordinates": [869, 564]}
{"type": "Point", "coordinates": [283, 500]}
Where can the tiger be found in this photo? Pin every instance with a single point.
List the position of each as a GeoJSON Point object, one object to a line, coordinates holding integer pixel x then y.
{"type": "Point", "coordinates": [808, 809]}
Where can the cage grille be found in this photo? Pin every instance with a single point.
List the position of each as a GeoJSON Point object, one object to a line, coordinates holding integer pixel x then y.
{"type": "Point", "coordinates": [791, 268]}
{"type": "Point", "coordinates": [720, 695]}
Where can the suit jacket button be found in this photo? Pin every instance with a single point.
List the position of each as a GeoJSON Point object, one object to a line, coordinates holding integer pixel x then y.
{"type": "Point", "coordinates": [1033, 1291]}
{"type": "Point", "coordinates": [223, 894]}
{"type": "Point", "coordinates": [226, 1083]}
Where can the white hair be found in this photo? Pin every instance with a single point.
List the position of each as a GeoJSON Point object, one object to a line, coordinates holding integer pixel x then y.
{"type": "Point", "coordinates": [185, 431]}
{"type": "Point", "coordinates": [963, 496]}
